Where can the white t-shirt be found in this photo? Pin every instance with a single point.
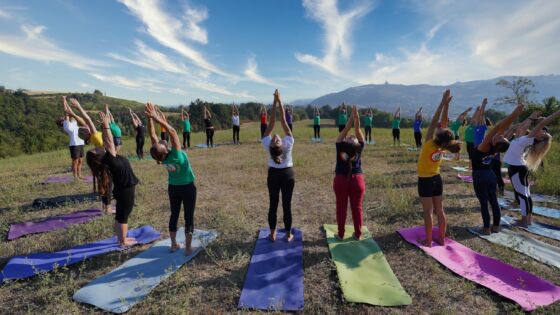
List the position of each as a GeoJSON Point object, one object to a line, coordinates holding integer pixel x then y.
{"type": "Point", "coordinates": [71, 128]}
{"type": "Point", "coordinates": [515, 153]}
{"type": "Point", "coordinates": [287, 145]}
{"type": "Point", "coordinates": [235, 120]}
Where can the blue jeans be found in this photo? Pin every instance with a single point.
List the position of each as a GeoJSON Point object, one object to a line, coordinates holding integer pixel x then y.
{"type": "Point", "coordinates": [485, 184]}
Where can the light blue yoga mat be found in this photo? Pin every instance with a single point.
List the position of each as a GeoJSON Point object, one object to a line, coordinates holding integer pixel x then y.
{"type": "Point", "coordinates": [541, 229]}
{"type": "Point", "coordinates": [544, 211]}
{"type": "Point", "coordinates": [460, 168]}
{"type": "Point", "coordinates": [122, 288]}
{"type": "Point", "coordinates": [533, 248]}
{"type": "Point", "coordinates": [537, 197]}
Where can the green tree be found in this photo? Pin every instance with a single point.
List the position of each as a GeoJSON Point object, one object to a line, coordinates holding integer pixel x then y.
{"type": "Point", "coordinates": [522, 88]}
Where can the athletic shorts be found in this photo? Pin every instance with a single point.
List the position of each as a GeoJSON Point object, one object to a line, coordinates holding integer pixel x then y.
{"type": "Point", "coordinates": [430, 186]}
{"type": "Point", "coordinates": [396, 133]}
{"type": "Point", "coordinates": [117, 141]}
{"type": "Point", "coordinates": [76, 151]}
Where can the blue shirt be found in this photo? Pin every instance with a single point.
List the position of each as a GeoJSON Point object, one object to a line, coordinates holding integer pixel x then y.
{"type": "Point", "coordinates": [479, 132]}
{"type": "Point", "coordinates": [417, 126]}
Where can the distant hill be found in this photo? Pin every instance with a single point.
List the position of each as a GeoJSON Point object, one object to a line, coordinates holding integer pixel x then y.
{"type": "Point", "coordinates": [388, 96]}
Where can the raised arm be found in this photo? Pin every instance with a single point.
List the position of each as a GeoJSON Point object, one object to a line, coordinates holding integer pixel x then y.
{"type": "Point", "coordinates": [435, 119]}
{"type": "Point", "coordinates": [481, 111]}
{"type": "Point", "coordinates": [346, 129]}
{"type": "Point", "coordinates": [71, 113]}
{"type": "Point", "coordinates": [208, 112]}
{"type": "Point", "coordinates": [270, 126]}
{"type": "Point", "coordinates": [444, 119]}
{"type": "Point", "coordinates": [134, 122]}
{"type": "Point", "coordinates": [464, 114]}
{"type": "Point", "coordinates": [182, 114]}
{"type": "Point", "coordinates": [500, 128]}
{"type": "Point", "coordinates": [283, 122]}
{"type": "Point", "coordinates": [397, 114]}
{"type": "Point", "coordinates": [87, 120]}
{"type": "Point", "coordinates": [418, 115]}
{"type": "Point", "coordinates": [107, 135]}
{"type": "Point", "coordinates": [151, 127]}
{"type": "Point", "coordinates": [155, 113]}
{"type": "Point", "coordinates": [357, 130]}
{"type": "Point", "coordinates": [543, 123]}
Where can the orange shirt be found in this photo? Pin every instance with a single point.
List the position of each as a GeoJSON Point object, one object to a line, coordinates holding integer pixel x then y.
{"type": "Point", "coordinates": [163, 129]}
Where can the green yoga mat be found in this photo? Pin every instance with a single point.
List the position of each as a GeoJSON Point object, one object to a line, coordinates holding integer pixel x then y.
{"type": "Point", "coordinates": [364, 274]}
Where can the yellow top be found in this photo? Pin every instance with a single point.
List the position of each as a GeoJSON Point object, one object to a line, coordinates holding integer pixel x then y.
{"type": "Point", "coordinates": [96, 139]}
{"type": "Point", "coordinates": [429, 159]}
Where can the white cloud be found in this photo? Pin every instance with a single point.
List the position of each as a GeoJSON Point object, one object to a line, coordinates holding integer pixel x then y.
{"type": "Point", "coordinates": [149, 58]}
{"type": "Point", "coordinates": [84, 85]}
{"type": "Point", "coordinates": [252, 73]}
{"type": "Point", "coordinates": [133, 84]}
{"type": "Point", "coordinates": [4, 14]}
{"type": "Point", "coordinates": [169, 31]}
{"type": "Point", "coordinates": [32, 44]}
{"type": "Point", "coordinates": [338, 28]}
{"type": "Point", "coordinates": [193, 31]}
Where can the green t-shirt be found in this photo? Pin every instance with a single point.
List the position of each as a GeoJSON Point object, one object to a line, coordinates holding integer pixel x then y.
{"type": "Point", "coordinates": [368, 121]}
{"type": "Point", "coordinates": [455, 127]}
{"type": "Point", "coordinates": [317, 120]}
{"type": "Point", "coordinates": [178, 167]}
{"type": "Point", "coordinates": [469, 134]}
{"type": "Point", "coordinates": [115, 130]}
{"type": "Point", "coordinates": [396, 123]}
{"type": "Point", "coordinates": [342, 118]}
{"type": "Point", "coordinates": [186, 125]}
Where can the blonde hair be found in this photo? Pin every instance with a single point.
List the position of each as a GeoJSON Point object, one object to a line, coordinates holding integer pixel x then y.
{"type": "Point", "coordinates": [536, 152]}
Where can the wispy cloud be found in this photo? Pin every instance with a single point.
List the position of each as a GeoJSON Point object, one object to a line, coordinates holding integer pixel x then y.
{"type": "Point", "coordinates": [133, 84]}
{"type": "Point", "coordinates": [252, 73]}
{"type": "Point", "coordinates": [170, 31]}
{"type": "Point", "coordinates": [4, 14]}
{"type": "Point", "coordinates": [193, 31]}
{"type": "Point", "coordinates": [337, 28]}
{"type": "Point", "coordinates": [149, 58]}
{"type": "Point", "coordinates": [32, 44]}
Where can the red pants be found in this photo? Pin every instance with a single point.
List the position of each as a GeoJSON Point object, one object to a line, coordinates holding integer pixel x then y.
{"type": "Point", "coordinates": [352, 188]}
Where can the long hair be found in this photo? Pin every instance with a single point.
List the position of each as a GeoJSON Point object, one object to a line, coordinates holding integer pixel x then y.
{"type": "Point", "coordinates": [443, 137]}
{"type": "Point", "coordinates": [350, 152]}
{"type": "Point", "coordinates": [537, 151]}
{"type": "Point", "coordinates": [277, 154]}
{"type": "Point", "coordinates": [99, 172]}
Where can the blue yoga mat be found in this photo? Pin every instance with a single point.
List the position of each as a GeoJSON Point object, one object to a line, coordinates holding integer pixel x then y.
{"type": "Point", "coordinates": [28, 266]}
{"type": "Point", "coordinates": [541, 229]}
{"type": "Point", "coordinates": [274, 279]}
{"type": "Point", "coordinates": [544, 211]}
{"type": "Point", "coordinates": [122, 288]}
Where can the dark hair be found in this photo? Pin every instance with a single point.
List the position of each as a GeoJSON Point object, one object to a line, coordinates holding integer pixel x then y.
{"type": "Point", "coordinates": [350, 152]}
{"type": "Point", "coordinates": [443, 137]}
{"type": "Point", "coordinates": [276, 154]}
{"type": "Point", "coordinates": [99, 172]}
{"type": "Point", "coordinates": [157, 155]}
{"type": "Point", "coordinates": [501, 146]}
{"type": "Point", "coordinates": [59, 121]}
{"type": "Point", "coordinates": [454, 147]}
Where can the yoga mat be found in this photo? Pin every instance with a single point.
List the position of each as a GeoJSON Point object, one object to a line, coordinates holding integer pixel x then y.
{"type": "Point", "coordinates": [119, 290]}
{"type": "Point", "coordinates": [465, 178]}
{"type": "Point", "coordinates": [28, 266]}
{"type": "Point", "coordinates": [537, 197]}
{"type": "Point", "coordinates": [364, 274]}
{"type": "Point", "coordinates": [372, 142]}
{"type": "Point", "coordinates": [274, 279]}
{"type": "Point", "coordinates": [541, 229]}
{"type": "Point", "coordinates": [460, 168]}
{"type": "Point", "coordinates": [533, 248]}
{"type": "Point", "coordinates": [41, 203]}
{"type": "Point", "coordinates": [52, 223]}
{"type": "Point", "coordinates": [203, 145]}
{"type": "Point", "coordinates": [64, 180]}
{"type": "Point", "coordinates": [522, 287]}
{"type": "Point", "coordinates": [543, 211]}
{"type": "Point", "coordinates": [412, 149]}
{"type": "Point", "coordinates": [316, 139]}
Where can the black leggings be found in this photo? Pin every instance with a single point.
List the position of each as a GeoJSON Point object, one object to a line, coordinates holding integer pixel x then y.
{"type": "Point", "coordinates": [185, 194]}
{"type": "Point", "coordinates": [484, 183]}
{"type": "Point", "coordinates": [497, 168]}
{"type": "Point", "coordinates": [209, 137]}
{"type": "Point", "coordinates": [235, 134]}
{"type": "Point", "coordinates": [519, 176]}
{"type": "Point", "coordinates": [368, 133]}
{"type": "Point", "coordinates": [140, 147]}
{"type": "Point", "coordinates": [341, 127]}
{"type": "Point", "coordinates": [291, 127]}
{"type": "Point", "coordinates": [317, 131]}
{"type": "Point", "coordinates": [280, 179]}
{"type": "Point", "coordinates": [125, 203]}
{"type": "Point", "coordinates": [186, 139]}
{"type": "Point", "coordinates": [263, 129]}
{"type": "Point", "coordinates": [418, 138]}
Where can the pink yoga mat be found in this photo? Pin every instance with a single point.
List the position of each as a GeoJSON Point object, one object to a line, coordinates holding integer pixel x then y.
{"type": "Point", "coordinates": [465, 178]}
{"type": "Point", "coordinates": [526, 289]}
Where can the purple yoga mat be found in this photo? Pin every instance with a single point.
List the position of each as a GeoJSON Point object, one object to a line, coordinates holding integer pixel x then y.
{"type": "Point", "coordinates": [52, 223]}
{"type": "Point", "coordinates": [526, 289]}
{"type": "Point", "coordinates": [274, 279]}
{"type": "Point", "coordinates": [64, 180]}
{"type": "Point", "coordinates": [20, 267]}
{"type": "Point", "coordinates": [465, 178]}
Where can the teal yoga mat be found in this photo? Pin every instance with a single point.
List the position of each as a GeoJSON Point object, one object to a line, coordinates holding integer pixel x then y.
{"type": "Point", "coordinates": [122, 288]}
{"type": "Point", "coordinates": [535, 249]}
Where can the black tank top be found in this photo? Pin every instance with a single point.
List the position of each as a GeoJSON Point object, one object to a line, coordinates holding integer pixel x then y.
{"type": "Point", "coordinates": [140, 131]}
{"type": "Point", "coordinates": [208, 123]}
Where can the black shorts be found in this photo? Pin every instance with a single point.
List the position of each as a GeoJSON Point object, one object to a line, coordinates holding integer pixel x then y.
{"type": "Point", "coordinates": [76, 151]}
{"type": "Point", "coordinates": [430, 186]}
{"type": "Point", "coordinates": [470, 149]}
{"type": "Point", "coordinates": [117, 141]}
{"type": "Point", "coordinates": [396, 133]}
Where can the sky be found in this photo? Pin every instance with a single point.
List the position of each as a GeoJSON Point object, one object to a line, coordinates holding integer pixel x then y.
{"type": "Point", "coordinates": [173, 52]}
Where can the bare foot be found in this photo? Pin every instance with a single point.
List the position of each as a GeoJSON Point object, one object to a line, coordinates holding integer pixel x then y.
{"type": "Point", "coordinates": [128, 242]}
{"type": "Point", "coordinates": [425, 243]}
{"type": "Point", "coordinates": [175, 247]}
{"type": "Point", "coordinates": [272, 236]}
{"type": "Point", "coordinates": [289, 237]}
{"type": "Point", "coordinates": [440, 241]}
{"type": "Point", "coordinates": [189, 250]}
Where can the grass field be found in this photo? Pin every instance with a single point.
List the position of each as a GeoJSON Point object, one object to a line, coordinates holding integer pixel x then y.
{"type": "Point", "coordinates": [233, 199]}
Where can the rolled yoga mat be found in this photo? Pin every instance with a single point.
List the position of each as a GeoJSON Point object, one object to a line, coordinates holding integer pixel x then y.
{"type": "Point", "coordinates": [64, 180]}
{"type": "Point", "coordinates": [364, 274]}
{"type": "Point", "coordinates": [274, 279]}
{"type": "Point", "coordinates": [119, 290]}
{"type": "Point", "coordinates": [526, 289]}
{"type": "Point", "coordinates": [20, 267]}
{"type": "Point", "coordinates": [52, 223]}
{"type": "Point", "coordinates": [41, 203]}
{"type": "Point", "coordinates": [533, 248]}
{"type": "Point", "coordinates": [537, 228]}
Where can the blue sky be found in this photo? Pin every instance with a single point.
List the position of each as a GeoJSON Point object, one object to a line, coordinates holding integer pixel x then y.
{"type": "Point", "coordinates": [172, 52]}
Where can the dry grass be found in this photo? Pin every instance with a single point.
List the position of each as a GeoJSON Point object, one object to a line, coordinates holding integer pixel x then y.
{"type": "Point", "coordinates": [233, 199]}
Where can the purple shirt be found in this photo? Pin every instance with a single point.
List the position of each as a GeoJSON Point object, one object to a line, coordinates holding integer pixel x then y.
{"type": "Point", "coordinates": [288, 117]}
